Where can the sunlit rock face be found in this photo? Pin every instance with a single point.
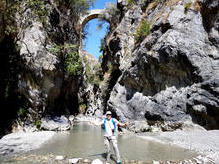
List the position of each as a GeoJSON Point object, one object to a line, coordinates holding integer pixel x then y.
{"type": "Point", "coordinates": [45, 82]}
{"type": "Point", "coordinates": [172, 75]}
{"type": "Point", "coordinates": [41, 84]}
{"type": "Point", "coordinates": [40, 63]}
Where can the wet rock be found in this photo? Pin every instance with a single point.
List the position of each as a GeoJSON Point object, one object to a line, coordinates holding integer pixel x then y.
{"type": "Point", "coordinates": [97, 161]}
{"type": "Point", "coordinates": [86, 161]}
{"type": "Point", "coordinates": [71, 119]}
{"type": "Point", "coordinates": [55, 123]}
{"type": "Point", "coordinates": [74, 160]}
{"type": "Point", "coordinates": [59, 158]}
{"type": "Point", "coordinates": [139, 126]}
{"type": "Point", "coordinates": [156, 162]}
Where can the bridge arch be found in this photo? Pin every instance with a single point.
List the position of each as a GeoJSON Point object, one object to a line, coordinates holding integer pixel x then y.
{"type": "Point", "coordinates": [92, 14]}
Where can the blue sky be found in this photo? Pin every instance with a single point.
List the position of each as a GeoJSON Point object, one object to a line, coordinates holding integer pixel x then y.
{"type": "Point", "coordinates": [94, 36]}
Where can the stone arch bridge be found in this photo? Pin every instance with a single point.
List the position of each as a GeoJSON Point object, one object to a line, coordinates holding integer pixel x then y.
{"type": "Point", "coordinates": [92, 14]}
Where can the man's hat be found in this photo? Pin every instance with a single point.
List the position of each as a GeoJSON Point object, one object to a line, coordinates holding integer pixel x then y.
{"type": "Point", "coordinates": [108, 113]}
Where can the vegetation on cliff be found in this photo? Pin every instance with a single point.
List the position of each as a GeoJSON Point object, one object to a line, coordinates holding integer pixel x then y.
{"type": "Point", "coordinates": [23, 77]}
{"type": "Point", "coordinates": [142, 31]}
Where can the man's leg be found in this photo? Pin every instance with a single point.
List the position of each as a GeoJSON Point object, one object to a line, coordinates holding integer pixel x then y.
{"type": "Point", "coordinates": [116, 150]}
{"type": "Point", "coordinates": [107, 147]}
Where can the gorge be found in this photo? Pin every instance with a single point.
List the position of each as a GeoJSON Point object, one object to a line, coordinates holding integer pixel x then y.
{"type": "Point", "coordinates": [159, 69]}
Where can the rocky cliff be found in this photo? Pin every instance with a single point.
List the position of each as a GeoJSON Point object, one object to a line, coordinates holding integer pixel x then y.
{"type": "Point", "coordinates": [40, 63]}
{"type": "Point", "coordinates": [170, 75]}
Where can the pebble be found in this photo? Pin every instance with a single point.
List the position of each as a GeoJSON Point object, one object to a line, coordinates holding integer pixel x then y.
{"type": "Point", "coordinates": [59, 157]}
{"type": "Point", "coordinates": [86, 161]}
{"type": "Point", "coordinates": [156, 162]}
{"type": "Point", "coordinates": [74, 160]}
{"type": "Point", "coordinates": [97, 161]}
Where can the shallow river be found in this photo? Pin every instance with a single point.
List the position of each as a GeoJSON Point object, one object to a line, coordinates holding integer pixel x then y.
{"type": "Point", "coordinates": [86, 141]}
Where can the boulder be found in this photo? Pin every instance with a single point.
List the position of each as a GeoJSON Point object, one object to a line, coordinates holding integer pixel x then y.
{"type": "Point", "coordinates": [59, 158]}
{"type": "Point", "coordinates": [97, 161]}
{"type": "Point", "coordinates": [139, 126]}
{"type": "Point", "coordinates": [55, 123]}
{"type": "Point", "coordinates": [74, 160]}
{"type": "Point", "coordinates": [86, 161]}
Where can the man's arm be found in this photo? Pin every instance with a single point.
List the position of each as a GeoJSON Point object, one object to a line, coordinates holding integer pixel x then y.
{"type": "Point", "coordinates": [123, 124]}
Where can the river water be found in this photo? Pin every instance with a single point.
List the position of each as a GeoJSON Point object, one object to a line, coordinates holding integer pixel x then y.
{"type": "Point", "coordinates": [86, 141]}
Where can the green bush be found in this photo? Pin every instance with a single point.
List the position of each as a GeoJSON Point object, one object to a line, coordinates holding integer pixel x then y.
{"type": "Point", "coordinates": [94, 74]}
{"type": "Point", "coordinates": [73, 64]}
{"type": "Point", "coordinates": [10, 8]}
{"type": "Point", "coordinates": [142, 31]}
{"type": "Point", "coordinates": [100, 59]}
{"type": "Point", "coordinates": [55, 49]}
{"type": "Point", "coordinates": [102, 45]}
{"type": "Point", "coordinates": [38, 124]}
{"type": "Point", "coordinates": [188, 6]}
{"type": "Point", "coordinates": [131, 2]}
{"type": "Point", "coordinates": [150, 129]}
{"type": "Point", "coordinates": [72, 61]}
{"type": "Point", "coordinates": [39, 9]}
{"type": "Point", "coordinates": [22, 112]}
{"type": "Point", "coordinates": [82, 108]}
{"type": "Point", "coordinates": [89, 73]}
{"type": "Point", "coordinates": [98, 74]}
{"type": "Point", "coordinates": [110, 68]}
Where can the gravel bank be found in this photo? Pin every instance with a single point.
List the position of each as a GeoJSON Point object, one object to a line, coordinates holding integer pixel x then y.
{"type": "Point", "coordinates": [204, 142]}
{"type": "Point", "coordinates": [22, 142]}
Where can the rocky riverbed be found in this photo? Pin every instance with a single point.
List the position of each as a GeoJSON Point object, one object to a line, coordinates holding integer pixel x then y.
{"type": "Point", "coordinates": [64, 160]}
{"type": "Point", "coordinates": [204, 142]}
{"type": "Point", "coordinates": [15, 146]}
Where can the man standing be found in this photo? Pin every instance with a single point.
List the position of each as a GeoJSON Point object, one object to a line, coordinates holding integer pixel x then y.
{"type": "Point", "coordinates": [110, 128]}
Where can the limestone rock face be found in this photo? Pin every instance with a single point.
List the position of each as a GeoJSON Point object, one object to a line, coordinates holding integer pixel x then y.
{"type": "Point", "coordinates": [45, 82]}
{"type": "Point", "coordinates": [33, 49]}
{"type": "Point", "coordinates": [89, 90]}
{"type": "Point", "coordinates": [171, 75]}
{"type": "Point", "coordinates": [41, 64]}
{"type": "Point", "coordinates": [42, 84]}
